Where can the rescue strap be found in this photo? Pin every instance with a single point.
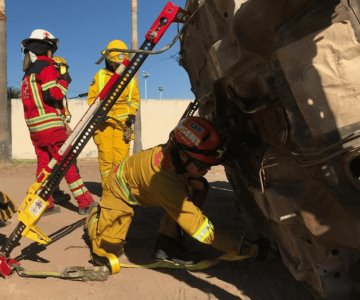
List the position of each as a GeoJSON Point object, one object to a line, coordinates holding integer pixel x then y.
{"type": "Point", "coordinates": [115, 265]}
{"type": "Point", "coordinates": [101, 273]}
{"type": "Point", "coordinates": [201, 265]}
{"type": "Point", "coordinates": [97, 273]}
{"type": "Point", "coordinates": [79, 273]}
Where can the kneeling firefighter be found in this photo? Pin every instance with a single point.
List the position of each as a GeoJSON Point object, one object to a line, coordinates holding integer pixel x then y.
{"type": "Point", "coordinates": [170, 176]}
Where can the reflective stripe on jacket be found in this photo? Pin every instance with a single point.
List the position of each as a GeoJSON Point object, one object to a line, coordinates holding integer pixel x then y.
{"type": "Point", "coordinates": [42, 93]}
{"type": "Point", "coordinates": [149, 179]}
{"type": "Point", "coordinates": [128, 101]}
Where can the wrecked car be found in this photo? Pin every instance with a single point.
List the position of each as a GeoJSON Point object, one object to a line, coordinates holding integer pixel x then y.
{"type": "Point", "coordinates": [282, 81]}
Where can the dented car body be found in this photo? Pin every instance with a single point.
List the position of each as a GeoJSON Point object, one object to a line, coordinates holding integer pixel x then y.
{"type": "Point", "coordinates": [282, 81]}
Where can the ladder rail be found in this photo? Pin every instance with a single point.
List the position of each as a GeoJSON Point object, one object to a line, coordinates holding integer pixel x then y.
{"type": "Point", "coordinates": [72, 147]}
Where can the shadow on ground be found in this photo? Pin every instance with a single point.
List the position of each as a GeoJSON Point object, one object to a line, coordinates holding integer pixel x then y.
{"type": "Point", "coordinates": [268, 280]}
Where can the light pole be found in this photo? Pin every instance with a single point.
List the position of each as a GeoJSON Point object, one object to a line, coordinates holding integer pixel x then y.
{"type": "Point", "coordinates": [146, 75]}
{"type": "Point", "coordinates": [161, 88]}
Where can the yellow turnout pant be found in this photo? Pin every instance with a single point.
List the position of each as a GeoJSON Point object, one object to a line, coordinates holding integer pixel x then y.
{"type": "Point", "coordinates": [108, 226]}
{"type": "Point", "coordinates": [112, 148]}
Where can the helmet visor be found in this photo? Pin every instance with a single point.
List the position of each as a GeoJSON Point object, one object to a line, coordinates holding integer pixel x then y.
{"type": "Point", "coordinates": [115, 56]}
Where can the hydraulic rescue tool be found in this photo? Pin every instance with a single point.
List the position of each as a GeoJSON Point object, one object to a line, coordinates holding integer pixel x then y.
{"type": "Point", "coordinates": [35, 202]}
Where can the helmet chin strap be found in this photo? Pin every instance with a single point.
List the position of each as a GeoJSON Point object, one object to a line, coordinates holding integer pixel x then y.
{"type": "Point", "coordinates": [178, 163]}
{"type": "Point", "coordinates": [110, 66]}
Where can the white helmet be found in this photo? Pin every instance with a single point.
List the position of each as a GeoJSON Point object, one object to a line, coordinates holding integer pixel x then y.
{"type": "Point", "coordinates": [43, 36]}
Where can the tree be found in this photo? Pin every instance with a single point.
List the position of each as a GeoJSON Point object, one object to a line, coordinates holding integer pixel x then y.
{"type": "Point", "coordinates": [13, 93]}
{"type": "Point", "coordinates": [134, 45]}
{"type": "Point", "coordinates": [5, 110]}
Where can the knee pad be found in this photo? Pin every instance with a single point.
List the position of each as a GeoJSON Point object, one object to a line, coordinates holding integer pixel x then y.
{"type": "Point", "coordinates": [91, 221]}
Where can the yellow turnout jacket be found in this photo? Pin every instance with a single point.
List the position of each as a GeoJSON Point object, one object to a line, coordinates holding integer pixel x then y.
{"type": "Point", "coordinates": [127, 103]}
{"type": "Point", "coordinates": [148, 178]}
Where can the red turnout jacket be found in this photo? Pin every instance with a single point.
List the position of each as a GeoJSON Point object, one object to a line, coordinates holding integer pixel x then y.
{"type": "Point", "coordinates": [42, 93]}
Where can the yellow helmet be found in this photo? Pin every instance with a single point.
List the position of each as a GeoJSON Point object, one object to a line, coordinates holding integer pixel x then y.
{"type": "Point", "coordinates": [60, 60]}
{"type": "Point", "coordinates": [115, 56]}
{"type": "Point", "coordinates": [61, 64]}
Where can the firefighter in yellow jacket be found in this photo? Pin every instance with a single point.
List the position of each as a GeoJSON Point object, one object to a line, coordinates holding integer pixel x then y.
{"type": "Point", "coordinates": [168, 176]}
{"type": "Point", "coordinates": [113, 136]}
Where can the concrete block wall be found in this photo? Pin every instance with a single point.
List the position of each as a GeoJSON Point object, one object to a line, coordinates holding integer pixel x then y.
{"type": "Point", "coordinates": [158, 118]}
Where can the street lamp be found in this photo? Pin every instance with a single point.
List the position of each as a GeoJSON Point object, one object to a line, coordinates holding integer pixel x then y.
{"type": "Point", "coordinates": [146, 75]}
{"type": "Point", "coordinates": [161, 90]}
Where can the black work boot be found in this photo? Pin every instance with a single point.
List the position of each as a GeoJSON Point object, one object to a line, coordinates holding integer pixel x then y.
{"type": "Point", "coordinates": [167, 248]}
{"type": "Point", "coordinates": [100, 261]}
{"type": "Point", "coordinates": [60, 196]}
{"type": "Point", "coordinates": [84, 211]}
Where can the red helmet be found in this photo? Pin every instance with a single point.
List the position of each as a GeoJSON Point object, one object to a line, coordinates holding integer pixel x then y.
{"type": "Point", "coordinates": [199, 139]}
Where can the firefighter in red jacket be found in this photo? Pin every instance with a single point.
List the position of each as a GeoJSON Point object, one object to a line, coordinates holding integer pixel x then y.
{"type": "Point", "coordinates": [168, 176]}
{"type": "Point", "coordinates": [43, 90]}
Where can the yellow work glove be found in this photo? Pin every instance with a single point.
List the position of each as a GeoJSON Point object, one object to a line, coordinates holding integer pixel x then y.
{"type": "Point", "coordinates": [7, 208]}
{"type": "Point", "coordinates": [257, 249]}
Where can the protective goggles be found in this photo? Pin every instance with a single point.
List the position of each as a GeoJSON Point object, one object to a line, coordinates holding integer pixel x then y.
{"type": "Point", "coordinates": [115, 56]}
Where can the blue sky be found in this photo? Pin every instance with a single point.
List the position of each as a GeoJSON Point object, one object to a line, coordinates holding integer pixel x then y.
{"type": "Point", "coordinates": [84, 28]}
